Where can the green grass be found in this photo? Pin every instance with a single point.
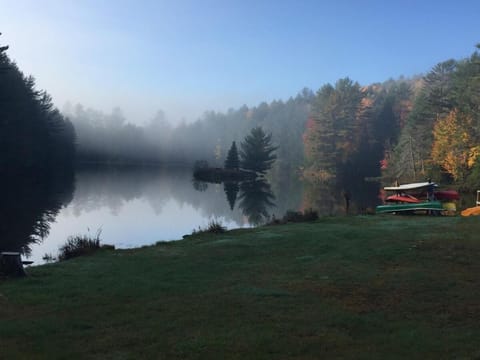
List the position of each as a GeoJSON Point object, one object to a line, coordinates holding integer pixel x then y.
{"type": "Point", "coordinates": [351, 287]}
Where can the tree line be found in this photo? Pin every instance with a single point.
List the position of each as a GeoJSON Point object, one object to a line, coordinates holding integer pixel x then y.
{"type": "Point", "coordinates": [442, 135]}
{"type": "Point", "coordinates": [35, 138]}
{"type": "Point", "coordinates": [404, 129]}
{"type": "Point", "coordinates": [37, 150]}
{"type": "Point", "coordinates": [110, 138]}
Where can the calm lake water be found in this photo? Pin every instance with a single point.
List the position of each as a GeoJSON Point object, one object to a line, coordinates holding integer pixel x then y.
{"type": "Point", "coordinates": [140, 206]}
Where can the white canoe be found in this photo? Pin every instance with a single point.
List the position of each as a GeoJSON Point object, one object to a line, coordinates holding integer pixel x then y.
{"type": "Point", "coordinates": [412, 186]}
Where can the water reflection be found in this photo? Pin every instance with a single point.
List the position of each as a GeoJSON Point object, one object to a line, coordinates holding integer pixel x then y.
{"type": "Point", "coordinates": [231, 189]}
{"type": "Point", "coordinates": [28, 208]}
{"type": "Point", "coordinates": [335, 198]}
{"type": "Point", "coordinates": [139, 206]}
{"type": "Point", "coordinates": [252, 201]}
{"type": "Point", "coordinates": [256, 199]}
{"type": "Point", "coordinates": [115, 189]}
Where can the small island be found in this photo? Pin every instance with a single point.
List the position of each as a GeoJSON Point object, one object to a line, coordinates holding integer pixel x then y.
{"type": "Point", "coordinates": [218, 175]}
{"type": "Point", "coordinates": [256, 157]}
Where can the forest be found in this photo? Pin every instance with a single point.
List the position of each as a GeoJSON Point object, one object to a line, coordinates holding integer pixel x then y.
{"type": "Point", "coordinates": [406, 129]}
{"type": "Point", "coordinates": [35, 138]}
{"type": "Point", "coordinates": [37, 154]}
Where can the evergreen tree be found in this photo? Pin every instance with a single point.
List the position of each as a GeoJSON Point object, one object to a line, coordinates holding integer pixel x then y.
{"type": "Point", "coordinates": [232, 161]}
{"type": "Point", "coordinates": [333, 133]}
{"type": "Point", "coordinates": [34, 137]}
{"type": "Point", "coordinates": [319, 139]}
{"type": "Point", "coordinates": [438, 87]}
{"type": "Point", "coordinates": [257, 151]}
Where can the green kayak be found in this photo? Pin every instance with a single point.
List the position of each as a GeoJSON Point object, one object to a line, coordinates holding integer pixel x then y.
{"type": "Point", "coordinates": [394, 208]}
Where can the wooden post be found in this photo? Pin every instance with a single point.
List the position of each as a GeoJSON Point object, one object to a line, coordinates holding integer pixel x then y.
{"type": "Point", "coordinates": [11, 264]}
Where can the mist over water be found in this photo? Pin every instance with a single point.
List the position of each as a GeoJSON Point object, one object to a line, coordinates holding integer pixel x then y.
{"type": "Point", "coordinates": [140, 206]}
{"type": "Point", "coordinates": [136, 206]}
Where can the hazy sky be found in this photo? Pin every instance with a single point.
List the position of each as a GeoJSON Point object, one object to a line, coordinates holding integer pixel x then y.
{"type": "Point", "coordinates": [187, 56]}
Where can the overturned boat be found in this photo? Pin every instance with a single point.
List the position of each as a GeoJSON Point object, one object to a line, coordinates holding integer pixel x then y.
{"type": "Point", "coordinates": [410, 207]}
{"type": "Point", "coordinates": [473, 211]}
{"type": "Point", "coordinates": [421, 197]}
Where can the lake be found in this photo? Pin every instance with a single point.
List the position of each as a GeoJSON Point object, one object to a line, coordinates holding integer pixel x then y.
{"type": "Point", "coordinates": [135, 206]}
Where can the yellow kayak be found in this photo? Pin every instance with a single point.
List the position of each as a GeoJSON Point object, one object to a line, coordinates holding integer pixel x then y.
{"type": "Point", "coordinates": [449, 208]}
{"type": "Point", "coordinates": [471, 211]}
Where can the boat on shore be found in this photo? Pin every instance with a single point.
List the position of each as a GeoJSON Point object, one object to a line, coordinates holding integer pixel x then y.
{"type": "Point", "coordinates": [442, 195]}
{"type": "Point", "coordinates": [410, 207]}
{"type": "Point", "coordinates": [411, 186]}
{"type": "Point", "coordinates": [402, 198]}
{"type": "Point", "coordinates": [421, 197]}
{"type": "Point", "coordinates": [473, 211]}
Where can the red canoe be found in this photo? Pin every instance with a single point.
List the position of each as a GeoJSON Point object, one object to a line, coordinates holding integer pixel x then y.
{"type": "Point", "coordinates": [402, 198]}
{"type": "Point", "coordinates": [445, 195]}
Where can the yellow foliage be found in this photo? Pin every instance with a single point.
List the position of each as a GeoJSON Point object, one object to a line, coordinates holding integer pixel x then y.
{"type": "Point", "coordinates": [473, 155]}
{"type": "Point", "coordinates": [453, 147]}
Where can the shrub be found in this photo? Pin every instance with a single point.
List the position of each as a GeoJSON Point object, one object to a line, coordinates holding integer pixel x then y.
{"type": "Point", "coordinates": [310, 215]}
{"type": "Point", "coordinates": [216, 227]}
{"type": "Point", "coordinates": [79, 245]}
{"type": "Point", "coordinates": [292, 216]}
{"type": "Point", "coordinates": [49, 258]}
{"type": "Point", "coordinates": [213, 227]}
{"type": "Point", "coordinates": [296, 216]}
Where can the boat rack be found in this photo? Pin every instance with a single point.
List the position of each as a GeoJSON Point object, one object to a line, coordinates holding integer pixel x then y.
{"type": "Point", "coordinates": [427, 199]}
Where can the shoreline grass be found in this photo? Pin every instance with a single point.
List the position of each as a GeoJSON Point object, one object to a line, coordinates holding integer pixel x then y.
{"type": "Point", "coordinates": [366, 287]}
{"type": "Point", "coordinates": [79, 245]}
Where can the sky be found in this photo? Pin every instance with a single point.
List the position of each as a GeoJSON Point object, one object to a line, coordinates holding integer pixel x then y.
{"type": "Point", "coordinates": [189, 56]}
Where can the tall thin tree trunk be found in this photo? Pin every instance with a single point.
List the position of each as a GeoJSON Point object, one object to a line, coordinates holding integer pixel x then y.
{"type": "Point", "coordinates": [413, 160]}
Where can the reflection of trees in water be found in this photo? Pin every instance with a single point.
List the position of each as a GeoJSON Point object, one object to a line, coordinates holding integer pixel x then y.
{"type": "Point", "coordinates": [288, 189]}
{"type": "Point", "coordinates": [199, 185]}
{"type": "Point", "coordinates": [323, 197]}
{"type": "Point", "coordinates": [29, 205]}
{"type": "Point", "coordinates": [113, 188]}
{"type": "Point", "coordinates": [330, 198]}
{"type": "Point", "coordinates": [364, 194]}
{"type": "Point", "coordinates": [256, 199]}
{"type": "Point", "coordinates": [109, 187]}
{"type": "Point", "coordinates": [231, 189]}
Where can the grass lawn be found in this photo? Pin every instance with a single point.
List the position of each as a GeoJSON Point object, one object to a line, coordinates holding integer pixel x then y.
{"type": "Point", "coordinates": [372, 287]}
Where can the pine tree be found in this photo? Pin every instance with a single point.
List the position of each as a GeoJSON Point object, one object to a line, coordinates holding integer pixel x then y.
{"type": "Point", "coordinates": [34, 137]}
{"type": "Point", "coordinates": [257, 151]}
{"type": "Point", "coordinates": [232, 161]}
{"type": "Point", "coordinates": [332, 137]}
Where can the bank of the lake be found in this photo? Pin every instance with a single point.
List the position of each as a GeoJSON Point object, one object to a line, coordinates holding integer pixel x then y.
{"type": "Point", "coordinates": [345, 287]}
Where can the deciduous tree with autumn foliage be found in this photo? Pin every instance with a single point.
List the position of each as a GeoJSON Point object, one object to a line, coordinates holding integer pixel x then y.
{"type": "Point", "coordinates": [454, 147]}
